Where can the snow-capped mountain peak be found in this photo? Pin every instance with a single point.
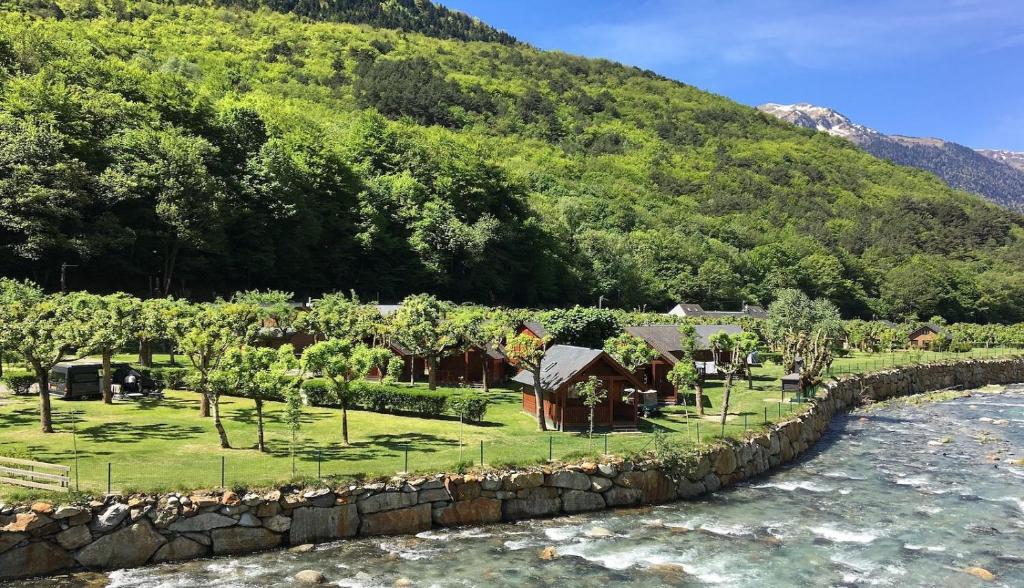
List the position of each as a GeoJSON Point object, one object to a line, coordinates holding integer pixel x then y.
{"type": "Point", "coordinates": [819, 118]}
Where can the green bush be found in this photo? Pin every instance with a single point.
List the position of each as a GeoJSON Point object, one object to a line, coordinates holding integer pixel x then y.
{"type": "Point", "coordinates": [175, 378]}
{"type": "Point", "coordinates": [316, 393]}
{"type": "Point", "coordinates": [18, 384]}
{"type": "Point", "coordinates": [770, 357]}
{"type": "Point", "coordinates": [472, 406]}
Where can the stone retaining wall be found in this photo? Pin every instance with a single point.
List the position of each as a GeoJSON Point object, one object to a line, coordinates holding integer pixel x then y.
{"type": "Point", "coordinates": [122, 532]}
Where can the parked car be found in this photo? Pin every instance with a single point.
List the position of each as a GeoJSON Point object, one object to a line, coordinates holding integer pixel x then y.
{"type": "Point", "coordinates": [81, 379]}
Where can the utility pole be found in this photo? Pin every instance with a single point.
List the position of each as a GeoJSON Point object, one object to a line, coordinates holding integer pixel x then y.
{"type": "Point", "coordinates": [64, 277]}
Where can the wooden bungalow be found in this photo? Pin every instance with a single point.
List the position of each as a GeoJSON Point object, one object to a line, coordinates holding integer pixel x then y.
{"type": "Point", "coordinates": [467, 367]}
{"type": "Point", "coordinates": [565, 365]}
{"type": "Point", "coordinates": [696, 310]}
{"type": "Point", "coordinates": [924, 336]}
{"type": "Point", "coordinates": [665, 339]}
{"type": "Point", "coordinates": [271, 334]}
{"type": "Point", "coordinates": [414, 368]}
{"type": "Point", "coordinates": [533, 329]}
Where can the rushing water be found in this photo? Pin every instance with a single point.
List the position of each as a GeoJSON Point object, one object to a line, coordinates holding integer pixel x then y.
{"type": "Point", "coordinates": [907, 496]}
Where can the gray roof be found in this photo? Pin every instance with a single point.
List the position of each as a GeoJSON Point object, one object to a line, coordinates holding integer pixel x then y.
{"type": "Point", "coordinates": [536, 328]}
{"type": "Point", "coordinates": [387, 309]}
{"type": "Point", "coordinates": [748, 310]}
{"type": "Point", "coordinates": [666, 338]}
{"type": "Point", "coordinates": [560, 364]}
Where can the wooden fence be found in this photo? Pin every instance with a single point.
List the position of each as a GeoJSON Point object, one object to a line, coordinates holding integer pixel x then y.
{"type": "Point", "coordinates": [35, 474]}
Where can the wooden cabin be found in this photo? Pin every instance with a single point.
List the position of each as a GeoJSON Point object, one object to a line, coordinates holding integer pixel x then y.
{"type": "Point", "coordinates": [565, 365]}
{"type": "Point", "coordinates": [414, 368]}
{"type": "Point", "coordinates": [924, 336]}
{"type": "Point", "coordinates": [273, 336]}
{"type": "Point", "coordinates": [468, 367]}
{"type": "Point", "coordinates": [533, 329]}
{"type": "Point", "coordinates": [665, 339]}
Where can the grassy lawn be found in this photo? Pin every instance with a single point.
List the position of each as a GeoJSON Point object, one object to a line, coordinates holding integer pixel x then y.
{"type": "Point", "coordinates": [163, 444]}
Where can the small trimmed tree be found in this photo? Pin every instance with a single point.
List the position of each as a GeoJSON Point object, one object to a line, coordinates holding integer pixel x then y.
{"type": "Point", "coordinates": [340, 362]}
{"type": "Point", "coordinates": [110, 323]}
{"type": "Point", "coordinates": [687, 345]}
{"type": "Point", "coordinates": [683, 375]}
{"type": "Point", "coordinates": [592, 393]}
{"type": "Point", "coordinates": [337, 316]}
{"type": "Point", "coordinates": [527, 353]}
{"type": "Point", "coordinates": [630, 351]}
{"type": "Point", "coordinates": [422, 325]}
{"type": "Point", "coordinates": [41, 329]}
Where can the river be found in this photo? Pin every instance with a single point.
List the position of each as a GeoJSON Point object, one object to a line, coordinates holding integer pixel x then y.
{"type": "Point", "coordinates": [904, 495]}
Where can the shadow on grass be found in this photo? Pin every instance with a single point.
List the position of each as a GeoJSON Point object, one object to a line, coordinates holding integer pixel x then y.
{"type": "Point", "coordinates": [125, 432]}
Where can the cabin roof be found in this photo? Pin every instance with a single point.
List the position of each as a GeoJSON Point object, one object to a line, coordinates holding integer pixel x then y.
{"type": "Point", "coordinates": [536, 328]}
{"type": "Point", "coordinates": [666, 338]}
{"type": "Point", "coordinates": [562, 363]}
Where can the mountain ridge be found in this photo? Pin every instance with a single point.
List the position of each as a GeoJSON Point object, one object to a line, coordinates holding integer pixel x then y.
{"type": "Point", "coordinates": [997, 175]}
{"type": "Point", "coordinates": [212, 149]}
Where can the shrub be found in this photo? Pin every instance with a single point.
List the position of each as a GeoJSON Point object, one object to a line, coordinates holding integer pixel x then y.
{"type": "Point", "coordinates": [316, 393]}
{"type": "Point", "coordinates": [175, 378]}
{"type": "Point", "coordinates": [472, 406]}
{"type": "Point", "coordinates": [18, 384]}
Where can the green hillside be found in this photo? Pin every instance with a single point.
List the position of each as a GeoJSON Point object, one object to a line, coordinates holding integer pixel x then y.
{"type": "Point", "coordinates": [232, 149]}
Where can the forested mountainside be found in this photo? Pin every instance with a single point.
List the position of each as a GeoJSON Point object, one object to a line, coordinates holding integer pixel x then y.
{"type": "Point", "coordinates": [216, 149]}
{"type": "Point", "coordinates": [989, 173]}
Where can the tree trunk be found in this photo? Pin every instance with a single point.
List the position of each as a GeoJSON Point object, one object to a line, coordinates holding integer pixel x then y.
{"type": "Point", "coordinates": [484, 373]}
{"type": "Point", "coordinates": [204, 399]}
{"type": "Point", "coordinates": [412, 369]}
{"type": "Point", "coordinates": [432, 378]}
{"type": "Point", "coordinates": [108, 394]}
{"type": "Point", "coordinates": [145, 353]}
{"type": "Point", "coordinates": [725, 397]}
{"type": "Point", "coordinates": [344, 422]}
{"type": "Point", "coordinates": [260, 445]}
{"type": "Point", "coordinates": [538, 394]}
{"type": "Point", "coordinates": [45, 416]}
{"type": "Point", "coordinates": [169, 262]}
{"type": "Point", "coordinates": [698, 389]}
{"type": "Point", "coordinates": [216, 423]}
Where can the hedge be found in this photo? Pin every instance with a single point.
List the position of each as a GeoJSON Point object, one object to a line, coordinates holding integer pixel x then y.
{"type": "Point", "coordinates": [18, 384]}
{"type": "Point", "coordinates": [175, 378]}
{"type": "Point", "coordinates": [385, 398]}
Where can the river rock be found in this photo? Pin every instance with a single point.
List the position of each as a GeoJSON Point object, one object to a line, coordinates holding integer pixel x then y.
{"type": "Point", "coordinates": [386, 501]}
{"type": "Point", "coordinates": [34, 559]}
{"type": "Point", "coordinates": [712, 483]}
{"type": "Point", "coordinates": [548, 553]}
{"type": "Point", "coordinates": [725, 463]}
{"type": "Point", "coordinates": [202, 522]}
{"type": "Point", "coordinates": [574, 501]}
{"type": "Point", "coordinates": [688, 489]}
{"type": "Point", "coordinates": [267, 509]}
{"type": "Point", "coordinates": [9, 540]}
{"type": "Point", "coordinates": [180, 549]}
{"type": "Point", "coordinates": [322, 498]}
{"type": "Point", "coordinates": [608, 470]}
{"type": "Point", "coordinates": [523, 480]}
{"type": "Point", "coordinates": [620, 496]}
{"type": "Point", "coordinates": [26, 521]}
{"type": "Point", "coordinates": [534, 502]}
{"type": "Point", "coordinates": [310, 577]}
{"type": "Point", "coordinates": [235, 540]}
{"type": "Point", "coordinates": [68, 512]}
{"type": "Point", "coordinates": [249, 520]}
{"type": "Point", "coordinates": [600, 483]}
{"type": "Point", "coordinates": [310, 524]}
{"type": "Point", "coordinates": [110, 518]}
{"type": "Point", "coordinates": [568, 479]}
{"type": "Point", "coordinates": [440, 495]}
{"type": "Point", "coordinates": [73, 538]}
{"type": "Point", "coordinates": [127, 548]}
{"type": "Point", "coordinates": [479, 511]}
{"type": "Point", "coordinates": [277, 523]}
{"type": "Point", "coordinates": [404, 521]}
{"type": "Point", "coordinates": [980, 573]}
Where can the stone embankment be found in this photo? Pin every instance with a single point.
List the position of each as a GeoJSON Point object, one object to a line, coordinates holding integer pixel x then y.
{"type": "Point", "coordinates": [121, 532]}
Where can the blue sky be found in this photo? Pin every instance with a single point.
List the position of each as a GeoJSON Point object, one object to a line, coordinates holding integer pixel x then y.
{"type": "Point", "coordinates": [943, 68]}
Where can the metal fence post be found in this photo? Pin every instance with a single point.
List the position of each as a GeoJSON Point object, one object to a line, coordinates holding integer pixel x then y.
{"type": "Point", "coordinates": [481, 453]}
{"type": "Point", "coordinates": [766, 414]}
{"type": "Point", "coordinates": [606, 443]}
{"type": "Point", "coordinates": [551, 447]}
{"type": "Point", "coordinates": [318, 461]}
{"type": "Point", "coordinates": [698, 432]}
{"type": "Point", "coordinates": [406, 458]}
{"type": "Point", "coordinates": [222, 468]}
{"type": "Point", "coordinates": [109, 477]}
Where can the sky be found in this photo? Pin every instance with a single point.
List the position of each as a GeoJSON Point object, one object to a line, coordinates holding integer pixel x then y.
{"type": "Point", "coordinates": [952, 69]}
